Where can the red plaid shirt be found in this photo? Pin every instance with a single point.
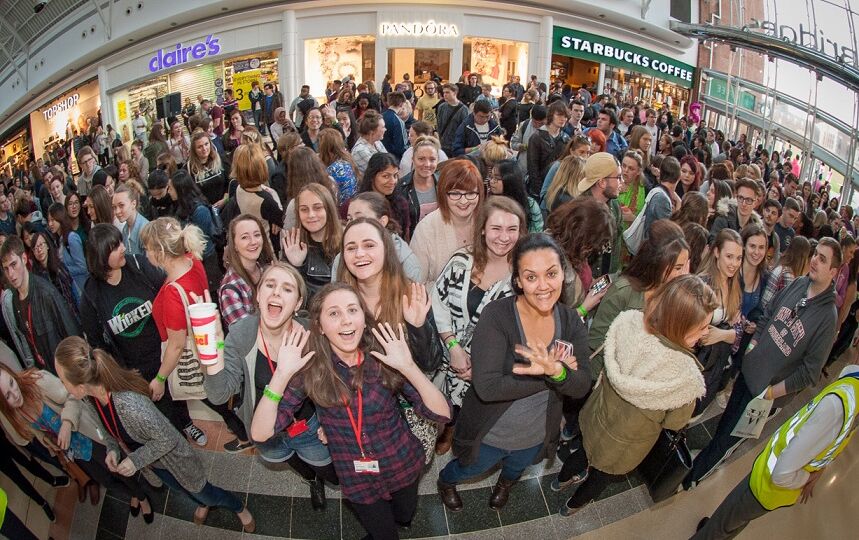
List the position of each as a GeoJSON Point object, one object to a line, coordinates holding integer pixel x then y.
{"type": "Point", "coordinates": [235, 297]}
{"type": "Point", "coordinates": [386, 437]}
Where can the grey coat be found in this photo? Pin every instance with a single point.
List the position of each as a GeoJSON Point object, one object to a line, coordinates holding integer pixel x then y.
{"type": "Point", "coordinates": [163, 446]}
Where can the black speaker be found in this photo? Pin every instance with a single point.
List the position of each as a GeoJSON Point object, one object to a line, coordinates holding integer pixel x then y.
{"type": "Point", "coordinates": [175, 104]}
{"type": "Point", "coordinates": [159, 108]}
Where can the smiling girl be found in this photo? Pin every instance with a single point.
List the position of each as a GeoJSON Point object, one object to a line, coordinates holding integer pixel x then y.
{"type": "Point", "coordinates": [248, 251]}
{"type": "Point", "coordinates": [382, 176]}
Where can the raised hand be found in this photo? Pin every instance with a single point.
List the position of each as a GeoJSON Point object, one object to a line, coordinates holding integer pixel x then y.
{"type": "Point", "coordinates": [416, 305]}
{"type": "Point", "coordinates": [397, 354]}
{"type": "Point", "coordinates": [542, 361]}
{"type": "Point", "coordinates": [294, 249]}
{"type": "Point", "coordinates": [290, 359]}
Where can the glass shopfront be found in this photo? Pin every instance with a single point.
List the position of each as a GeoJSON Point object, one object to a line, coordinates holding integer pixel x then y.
{"type": "Point", "coordinates": [67, 117]}
{"type": "Point", "coordinates": [15, 151]}
{"type": "Point", "coordinates": [329, 59]}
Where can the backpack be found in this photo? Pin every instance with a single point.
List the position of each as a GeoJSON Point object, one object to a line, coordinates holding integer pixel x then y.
{"type": "Point", "coordinates": [217, 234]}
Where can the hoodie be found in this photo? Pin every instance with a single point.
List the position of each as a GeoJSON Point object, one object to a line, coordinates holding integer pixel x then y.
{"type": "Point", "coordinates": [467, 135]}
{"type": "Point", "coordinates": [726, 216]}
{"type": "Point", "coordinates": [792, 343]}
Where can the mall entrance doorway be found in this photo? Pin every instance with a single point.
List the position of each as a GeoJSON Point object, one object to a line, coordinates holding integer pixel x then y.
{"type": "Point", "coordinates": [420, 64]}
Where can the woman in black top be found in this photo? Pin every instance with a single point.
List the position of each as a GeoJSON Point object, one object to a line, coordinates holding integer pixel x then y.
{"type": "Point", "coordinates": [116, 311]}
{"type": "Point", "coordinates": [47, 263]}
{"type": "Point", "coordinates": [205, 167]}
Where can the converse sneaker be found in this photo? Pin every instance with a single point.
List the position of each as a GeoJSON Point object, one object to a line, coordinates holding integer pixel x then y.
{"type": "Point", "coordinates": [196, 434]}
{"type": "Point", "coordinates": [236, 446]}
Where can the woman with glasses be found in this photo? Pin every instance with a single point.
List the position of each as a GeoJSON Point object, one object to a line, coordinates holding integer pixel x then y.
{"type": "Point", "coordinates": [451, 226]}
{"type": "Point", "coordinates": [79, 221]}
{"type": "Point", "coordinates": [312, 128]}
{"type": "Point", "coordinates": [47, 264]}
{"type": "Point", "coordinates": [505, 179]}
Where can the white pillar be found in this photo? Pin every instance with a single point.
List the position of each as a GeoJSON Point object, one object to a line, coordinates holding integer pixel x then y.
{"type": "Point", "coordinates": [601, 82]}
{"type": "Point", "coordinates": [543, 55]}
{"type": "Point", "coordinates": [107, 113]}
{"type": "Point", "coordinates": [287, 64]}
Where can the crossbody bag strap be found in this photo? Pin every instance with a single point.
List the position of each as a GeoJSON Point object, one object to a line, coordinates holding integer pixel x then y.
{"type": "Point", "coordinates": [185, 304]}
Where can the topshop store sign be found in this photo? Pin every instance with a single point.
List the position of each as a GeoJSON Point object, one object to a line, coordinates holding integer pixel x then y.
{"type": "Point", "coordinates": [616, 53]}
{"type": "Point", "coordinates": [182, 54]}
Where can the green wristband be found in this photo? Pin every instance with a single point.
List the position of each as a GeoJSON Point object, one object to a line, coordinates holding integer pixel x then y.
{"type": "Point", "coordinates": [160, 378]}
{"type": "Point", "coordinates": [583, 311]}
{"type": "Point", "coordinates": [452, 343]}
{"type": "Point", "coordinates": [562, 376]}
{"type": "Point", "coordinates": [219, 345]}
{"type": "Point", "coordinates": [271, 394]}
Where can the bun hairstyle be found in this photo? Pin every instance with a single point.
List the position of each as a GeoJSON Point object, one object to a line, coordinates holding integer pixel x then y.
{"type": "Point", "coordinates": [84, 365]}
{"type": "Point", "coordinates": [165, 237]}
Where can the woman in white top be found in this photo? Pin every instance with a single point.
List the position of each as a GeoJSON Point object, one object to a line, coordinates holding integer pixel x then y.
{"type": "Point", "coordinates": [371, 129]}
{"type": "Point", "coordinates": [179, 144]}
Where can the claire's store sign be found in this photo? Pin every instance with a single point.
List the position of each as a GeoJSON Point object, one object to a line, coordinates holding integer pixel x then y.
{"type": "Point", "coordinates": [182, 54]}
{"type": "Point", "coordinates": [63, 104]}
{"type": "Point", "coordinates": [429, 28]}
{"type": "Point", "coordinates": [617, 53]}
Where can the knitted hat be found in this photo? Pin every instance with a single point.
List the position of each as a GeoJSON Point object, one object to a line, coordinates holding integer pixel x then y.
{"type": "Point", "coordinates": [597, 167]}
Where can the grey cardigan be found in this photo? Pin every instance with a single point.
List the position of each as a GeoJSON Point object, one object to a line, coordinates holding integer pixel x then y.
{"type": "Point", "coordinates": [163, 446]}
{"type": "Point", "coordinates": [240, 352]}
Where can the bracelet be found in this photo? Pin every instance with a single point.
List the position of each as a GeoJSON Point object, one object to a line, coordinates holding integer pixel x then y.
{"type": "Point", "coordinates": [561, 377]}
{"type": "Point", "coordinates": [219, 345]}
{"type": "Point", "coordinates": [271, 394]}
{"type": "Point", "coordinates": [452, 343]}
{"type": "Point", "coordinates": [583, 311]}
{"type": "Point", "coordinates": [160, 378]}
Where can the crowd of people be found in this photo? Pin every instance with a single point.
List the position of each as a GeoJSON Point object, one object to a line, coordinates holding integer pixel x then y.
{"type": "Point", "coordinates": [410, 272]}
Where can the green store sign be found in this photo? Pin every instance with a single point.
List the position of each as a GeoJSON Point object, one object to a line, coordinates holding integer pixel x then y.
{"type": "Point", "coordinates": [718, 88]}
{"type": "Point", "coordinates": [616, 53]}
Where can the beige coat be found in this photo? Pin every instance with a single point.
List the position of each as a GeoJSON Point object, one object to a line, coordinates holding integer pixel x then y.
{"type": "Point", "coordinates": [647, 384]}
{"type": "Point", "coordinates": [433, 243]}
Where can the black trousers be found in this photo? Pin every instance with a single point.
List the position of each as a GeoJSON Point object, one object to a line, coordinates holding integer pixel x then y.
{"type": "Point", "coordinates": [13, 527]}
{"type": "Point", "coordinates": [597, 480]}
{"type": "Point", "coordinates": [738, 509]}
{"type": "Point", "coordinates": [9, 468]}
{"type": "Point", "coordinates": [382, 518]}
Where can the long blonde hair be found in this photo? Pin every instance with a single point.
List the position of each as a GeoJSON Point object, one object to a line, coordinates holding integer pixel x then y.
{"type": "Point", "coordinates": [571, 169]}
{"type": "Point", "coordinates": [333, 227]}
{"type": "Point", "coordinates": [198, 168]}
{"type": "Point", "coordinates": [732, 294]}
{"type": "Point", "coordinates": [166, 238]}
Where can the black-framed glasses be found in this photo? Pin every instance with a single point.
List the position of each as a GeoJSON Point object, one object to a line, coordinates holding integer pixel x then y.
{"type": "Point", "coordinates": [457, 195]}
{"type": "Point", "coordinates": [748, 201]}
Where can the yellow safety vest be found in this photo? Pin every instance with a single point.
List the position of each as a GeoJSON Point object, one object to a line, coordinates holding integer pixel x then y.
{"type": "Point", "coordinates": [765, 491]}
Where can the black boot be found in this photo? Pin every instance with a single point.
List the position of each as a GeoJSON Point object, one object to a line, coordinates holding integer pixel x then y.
{"type": "Point", "coordinates": [48, 512]}
{"type": "Point", "coordinates": [317, 493]}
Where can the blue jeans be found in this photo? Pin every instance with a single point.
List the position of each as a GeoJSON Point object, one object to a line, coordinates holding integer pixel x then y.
{"type": "Point", "coordinates": [513, 462]}
{"type": "Point", "coordinates": [309, 448]}
{"type": "Point", "coordinates": [209, 496]}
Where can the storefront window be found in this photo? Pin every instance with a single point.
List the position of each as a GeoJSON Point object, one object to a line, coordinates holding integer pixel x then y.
{"type": "Point", "coordinates": [575, 71]}
{"type": "Point", "coordinates": [330, 59]}
{"type": "Point", "coordinates": [69, 117]}
{"type": "Point", "coordinates": [15, 152]}
{"type": "Point", "coordinates": [495, 60]}
{"type": "Point", "coordinates": [420, 64]}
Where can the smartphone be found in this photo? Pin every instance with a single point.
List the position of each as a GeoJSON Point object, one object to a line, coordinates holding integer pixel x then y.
{"type": "Point", "coordinates": [601, 284]}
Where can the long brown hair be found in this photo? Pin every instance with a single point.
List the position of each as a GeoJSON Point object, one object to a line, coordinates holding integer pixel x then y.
{"type": "Point", "coordinates": [478, 245]}
{"type": "Point", "coordinates": [678, 307]}
{"type": "Point", "coordinates": [304, 167]}
{"type": "Point", "coordinates": [656, 257]}
{"type": "Point", "coordinates": [796, 255]}
{"type": "Point", "coordinates": [198, 168]}
{"type": "Point", "coordinates": [732, 296]}
{"type": "Point", "coordinates": [571, 169]}
{"type": "Point", "coordinates": [333, 228]}
{"type": "Point", "coordinates": [394, 281]}
{"type": "Point", "coordinates": [581, 227]}
{"type": "Point", "coordinates": [332, 148]}
{"type": "Point", "coordinates": [84, 365]}
{"type": "Point", "coordinates": [231, 256]}
{"type": "Point", "coordinates": [321, 382]}
{"type": "Point", "coordinates": [27, 382]}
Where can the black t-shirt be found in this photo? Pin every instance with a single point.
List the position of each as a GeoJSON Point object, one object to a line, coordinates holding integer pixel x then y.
{"type": "Point", "coordinates": [785, 236]}
{"type": "Point", "coordinates": [119, 317]}
{"type": "Point", "coordinates": [262, 376]}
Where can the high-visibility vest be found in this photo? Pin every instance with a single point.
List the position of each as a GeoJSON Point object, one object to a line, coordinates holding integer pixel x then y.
{"type": "Point", "coordinates": [765, 491]}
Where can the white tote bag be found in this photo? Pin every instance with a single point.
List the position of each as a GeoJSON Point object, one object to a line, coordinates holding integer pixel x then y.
{"type": "Point", "coordinates": [634, 235]}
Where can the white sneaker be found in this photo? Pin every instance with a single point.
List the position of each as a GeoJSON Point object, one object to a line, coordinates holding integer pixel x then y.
{"type": "Point", "coordinates": [196, 434]}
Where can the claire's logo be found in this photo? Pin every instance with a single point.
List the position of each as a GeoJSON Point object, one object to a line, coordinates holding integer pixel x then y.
{"type": "Point", "coordinates": [167, 58]}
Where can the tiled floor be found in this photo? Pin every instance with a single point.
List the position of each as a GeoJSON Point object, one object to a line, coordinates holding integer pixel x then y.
{"type": "Point", "coordinates": [281, 506]}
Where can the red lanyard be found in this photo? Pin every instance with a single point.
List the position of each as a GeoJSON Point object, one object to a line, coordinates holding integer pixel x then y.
{"type": "Point", "coordinates": [358, 426]}
{"type": "Point", "coordinates": [115, 430]}
{"type": "Point", "coordinates": [30, 338]}
{"type": "Point", "coordinates": [265, 348]}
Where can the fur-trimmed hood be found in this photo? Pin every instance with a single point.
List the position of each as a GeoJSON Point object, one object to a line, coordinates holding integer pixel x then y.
{"type": "Point", "coordinates": [728, 208]}
{"type": "Point", "coordinates": [646, 372]}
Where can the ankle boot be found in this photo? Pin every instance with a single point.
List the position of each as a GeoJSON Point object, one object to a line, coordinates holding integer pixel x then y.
{"type": "Point", "coordinates": [500, 493]}
{"type": "Point", "coordinates": [449, 496]}
{"type": "Point", "coordinates": [445, 440]}
{"type": "Point", "coordinates": [317, 493]}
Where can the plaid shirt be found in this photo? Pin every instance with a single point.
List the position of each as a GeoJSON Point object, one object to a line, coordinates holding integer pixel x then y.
{"type": "Point", "coordinates": [235, 297]}
{"type": "Point", "coordinates": [386, 436]}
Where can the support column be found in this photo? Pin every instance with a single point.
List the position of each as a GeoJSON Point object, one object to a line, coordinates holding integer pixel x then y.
{"type": "Point", "coordinates": [544, 53]}
{"type": "Point", "coordinates": [107, 112]}
{"type": "Point", "coordinates": [288, 61]}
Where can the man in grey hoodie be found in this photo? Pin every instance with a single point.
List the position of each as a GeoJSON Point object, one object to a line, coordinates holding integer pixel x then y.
{"type": "Point", "coordinates": [786, 355]}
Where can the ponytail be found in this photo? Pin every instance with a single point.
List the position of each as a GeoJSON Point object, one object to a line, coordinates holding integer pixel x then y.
{"type": "Point", "coordinates": [84, 365]}
{"type": "Point", "coordinates": [166, 236]}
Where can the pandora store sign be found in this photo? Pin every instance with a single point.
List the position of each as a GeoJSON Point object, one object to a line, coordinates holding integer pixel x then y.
{"type": "Point", "coordinates": [429, 28]}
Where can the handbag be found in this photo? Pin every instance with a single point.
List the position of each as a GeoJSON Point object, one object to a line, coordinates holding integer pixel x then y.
{"type": "Point", "coordinates": [186, 380]}
{"type": "Point", "coordinates": [425, 431]}
{"type": "Point", "coordinates": [666, 465]}
{"type": "Point", "coordinates": [634, 235]}
{"type": "Point", "coordinates": [73, 470]}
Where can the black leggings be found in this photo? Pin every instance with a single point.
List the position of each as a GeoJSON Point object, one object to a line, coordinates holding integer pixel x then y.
{"type": "Point", "coordinates": [13, 527]}
{"type": "Point", "coordinates": [177, 413]}
{"type": "Point", "coordinates": [7, 466]}
{"type": "Point", "coordinates": [382, 518]}
{"type": "Point", "coordinates": [597, 480]}
{"type": "Point", "coordinates": [234, 423]}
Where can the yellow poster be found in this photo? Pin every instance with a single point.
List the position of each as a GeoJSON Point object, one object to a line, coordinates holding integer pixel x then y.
{"type": "Point", "coordinates": [242, 82]}
{"type": "Point", "coordinates": [122, 110]}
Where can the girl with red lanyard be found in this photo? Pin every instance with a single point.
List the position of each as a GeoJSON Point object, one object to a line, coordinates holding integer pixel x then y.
{"type": "Point", "coordinates": [140, 436]}
{"type": "Point", "coordinates": [354, 384]}
{"type": "Point", "coordinates": [178, 251]}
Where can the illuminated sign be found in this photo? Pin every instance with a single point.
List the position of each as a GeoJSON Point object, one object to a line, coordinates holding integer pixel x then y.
{"type": "Point", "coordinates": [429, 28]}
{"type": "Point", "coordinates": [62, 105]}
{"type": "Point", "coordinates": [176, 56]}
{"type": "Point", "coordinates": [603, 50]}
